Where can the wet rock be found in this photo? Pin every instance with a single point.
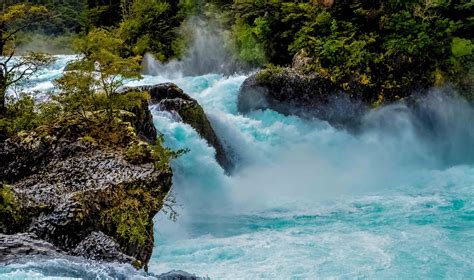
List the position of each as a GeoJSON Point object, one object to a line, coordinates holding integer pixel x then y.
{"type": "Point", "coordinates": [80, 192]}
{"type": "Point", "coordinates": [169, 97]}
{"type": "Point", "coordinates": [13, 247]}
{"type": "Point", "coordinates": [290, 91]}
{"type": "Point", "coordinates": [142, 121]}
{"type": "Point", "coordinates": [99, 246]}
{"type": "Point", "coordinates": [179, 275]}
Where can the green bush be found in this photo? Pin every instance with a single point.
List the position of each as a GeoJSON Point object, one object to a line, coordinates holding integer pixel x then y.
{"type": "Point", "coordinates": [384, 48]}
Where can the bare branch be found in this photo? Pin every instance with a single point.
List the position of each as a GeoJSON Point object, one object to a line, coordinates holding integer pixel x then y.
{"type": "Point", "coordinates": [12, 33]}
{"type": "Point", "coordinates": [22, 75]}
{"type": "Point", "coordinates": [9, 57]}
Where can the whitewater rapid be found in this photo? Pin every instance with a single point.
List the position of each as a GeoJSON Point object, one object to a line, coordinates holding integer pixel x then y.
{"type": "Point", "coordinates": [307, 200]}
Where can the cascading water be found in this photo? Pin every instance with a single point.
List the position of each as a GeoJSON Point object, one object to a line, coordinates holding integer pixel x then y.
{"type": "Point", "coordinates": [308, 200]}
{"type": "Point", "coordinates": [311, 201]}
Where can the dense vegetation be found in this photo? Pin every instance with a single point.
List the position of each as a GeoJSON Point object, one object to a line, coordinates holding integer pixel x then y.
{"type": "Point", "coordinates": [384, 50]}
{"type": "Point", "coordinates": [87, 92]}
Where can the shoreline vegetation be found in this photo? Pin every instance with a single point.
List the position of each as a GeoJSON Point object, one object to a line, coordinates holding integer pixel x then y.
{"type": "Point", "coordinates": [373, 52]}
{"type": "Point", "coordinates": [384, 50]}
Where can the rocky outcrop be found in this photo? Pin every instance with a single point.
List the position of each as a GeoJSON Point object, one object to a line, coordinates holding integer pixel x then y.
{"type": "Point", "coordinates": [169, 97]}
{"type": "Point", "coordinates": [291, 91]}
{"type": "Point", "coordinates": [179, 275]}
{"type": "Point", "coordinates": [72, 188]}
{"type": "Point", "coordinates": [15, 246]}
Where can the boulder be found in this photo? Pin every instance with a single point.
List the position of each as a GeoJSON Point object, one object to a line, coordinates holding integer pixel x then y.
{"type": "Point", "coordinates": [72, 185]}
{"type": "Point", "coordinates": [179, 275]}
{"type": "Point", "coordinates": [296, 91]}
{"type": "Point", "coordinates": [169, 97]}
{"type": "Point", "coordinates": [20, 245]}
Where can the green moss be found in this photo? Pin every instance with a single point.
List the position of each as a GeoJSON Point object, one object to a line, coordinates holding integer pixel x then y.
{"type": "Point", "coordinates": [131, 219]}
{"type": "Point", "coordinates": [269, 73]}
{"type": "Point", "coordinates": [193, 115]}
{"type": "Point", "coordinates": [88, 139]}
{"type": "Point", "coordinates": [138, 152]}
{"type": "Point", "coordinates": [10, 210]}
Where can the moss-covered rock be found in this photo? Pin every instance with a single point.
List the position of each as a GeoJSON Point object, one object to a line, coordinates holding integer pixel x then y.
{"type": "Point", "coordinates": [290, 91]}
{"type": "Point", "coordinates": [72, 184]}
{"type": "Point", "coordinates": [170, 97]}
{"type": "Point", "coordinates": [10, 210]}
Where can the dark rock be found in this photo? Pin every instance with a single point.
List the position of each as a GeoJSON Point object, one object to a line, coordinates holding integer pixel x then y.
{"type": "Point", "coordinates": [13, 247]}
{"type": "Point", "coordinates": [98, 246]}
{"type": "Point", "coordinates": [143, 123]}
{"type": "Point", "coordinates": [290, 92]}
{"type": "Point", "coordinates": [76, 194]}
{"type": "Point", "coordinates": [169, 97]}
{"type": "Point", "coordinates": [179, 275]}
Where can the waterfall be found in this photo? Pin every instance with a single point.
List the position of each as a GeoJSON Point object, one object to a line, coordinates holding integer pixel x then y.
{"type": "Point", "coordinates": [307, 200]}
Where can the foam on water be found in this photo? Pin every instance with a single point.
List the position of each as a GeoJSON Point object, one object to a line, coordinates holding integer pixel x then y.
{"type": "Point", "coordinates": [311, 201]}
{"type": "Point", "coordinates": [71, 268]}
{"type": "Point", "coordinates": [307, 200]}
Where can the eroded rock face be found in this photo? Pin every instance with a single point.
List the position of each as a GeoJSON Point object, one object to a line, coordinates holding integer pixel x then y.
{"type": "Point", "coordinates": [99, 246]}
{"type": "Point", "coordinates": [169, 97]}
{"type": "Point", "coordinates": [81, 195]}
{"type": "Point", "coordinates": [18, 245]}
{"type": "Point", "coordinates": [292, 92]}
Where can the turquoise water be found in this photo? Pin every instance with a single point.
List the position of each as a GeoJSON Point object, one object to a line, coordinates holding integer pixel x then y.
{"type": "Point", "coordinates": [306, 201]}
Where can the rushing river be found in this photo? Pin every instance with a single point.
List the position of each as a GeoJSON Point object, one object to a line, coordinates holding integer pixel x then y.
{"type": "Point", "coordinates": [394, 201]}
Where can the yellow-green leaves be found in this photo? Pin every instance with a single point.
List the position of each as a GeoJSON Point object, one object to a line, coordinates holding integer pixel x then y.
{"type": "Point", "coordinates": [462, 47]}
{"type": "Point", "coordinates": [21, 11]}
{"type": "Point", "coordinates": [101, 70]}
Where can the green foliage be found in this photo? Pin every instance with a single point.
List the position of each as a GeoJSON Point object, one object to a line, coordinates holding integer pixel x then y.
{"type": "Point", "coordinates": [102, 13]}
{"type": "Point", "coordinates": [63, 17]}
{"type": "Point", "coordinates": [158, 153]}
{"type": "Point", "coordinates": [14, 19]}
{"type": "Point", "coordinates": [130, 218]}
{"type": "Point", "coordinates": [132, 100]}
{"type": "Point", "coordinates": [162, 156]}
{"type": "Point", "coordinates": [101, 68]}
{"type": "Point", "coordinates": [379, 48]}
{"type": "Point", "coordinates": [152, 26]}
{"type": "Point", "coordinates": [249, 49]}
{"type": "Point", "coordinates": [24, 114]}
{"type": "Point", "coordinates": [77, 88]}
{"type": "Point", "coordinates": [462, 47]}
{"type": "Point", "coordinates": [10, 212]}
{"type": "Point", "coordinates": [138, 153]}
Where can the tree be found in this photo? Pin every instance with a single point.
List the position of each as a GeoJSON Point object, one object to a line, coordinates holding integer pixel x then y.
{"type": "Point", "coordinates": [151, 26]}
{"type": "Point", "coordinates": [100, 69]}
{"type": "Point", "coordinates": [15, 69]}
{"type": "Point", "coordinates": [77, 88]}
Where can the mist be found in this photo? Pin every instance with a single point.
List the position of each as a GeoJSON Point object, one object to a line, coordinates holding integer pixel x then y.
{"type": "Point", "coordinates": [288, 160]}
{"type": "Point", "coordinates": [207, 52]}
{"type": "Point", "coordinates": [37, 42]}
{"type": "Point", "coordinates": [396, 144]}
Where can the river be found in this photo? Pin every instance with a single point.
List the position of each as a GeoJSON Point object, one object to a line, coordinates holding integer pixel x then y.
{"type": "Point", "coordinates": [306, 200]}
